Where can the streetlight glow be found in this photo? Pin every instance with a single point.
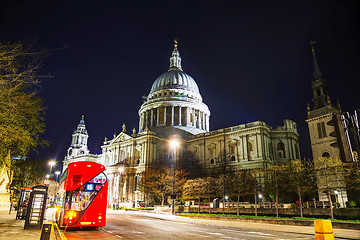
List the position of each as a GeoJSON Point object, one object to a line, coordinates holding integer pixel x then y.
{"type": "Point", "coordinates": [57, 174]}
{"type": "Point", "coordinates": [174, 143]}
{"type": "Point", "coordinates": [51, 163]}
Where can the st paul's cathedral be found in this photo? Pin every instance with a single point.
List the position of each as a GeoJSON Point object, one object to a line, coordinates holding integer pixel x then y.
{"type": "Point", "coordinates": [174, 108]}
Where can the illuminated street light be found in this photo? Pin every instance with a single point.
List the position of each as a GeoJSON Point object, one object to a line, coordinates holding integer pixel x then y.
{"type": "Point", "coordinates": [57, 174]}
{"type": "Point", "coordinates": [47, 176]}
{"type": "Point", "coordinates": [51, 163]}
{"type": "Point", "coordinates": [121, 170]}
{"type": "Point", "coordinates": [174, 144]}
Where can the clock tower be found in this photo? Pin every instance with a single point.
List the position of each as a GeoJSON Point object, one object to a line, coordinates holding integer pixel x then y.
{"type": "Point", "coordinates": [79, 141]}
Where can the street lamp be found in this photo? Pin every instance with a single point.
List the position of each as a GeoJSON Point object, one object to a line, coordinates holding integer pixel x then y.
{"type": "Point", "coordinates": [57, 175]}
{"type": "Point", "coordinates": [121, 170]}
{"type": "Point", "coordinates": [174, 144]}
{"type": "Point", "coordinates": [51, 163]}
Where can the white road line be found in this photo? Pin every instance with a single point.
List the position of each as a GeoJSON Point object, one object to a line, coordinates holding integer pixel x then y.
{"type": "Point", "coordinates": [205, 232]}
{"type": "Point", "coordinates": [118, 236]}
{"type": "Point", "coordinates": [198, 235]}
{"type": "Point", "coordinates": [106, 231]}
{"type": "Point", "coordinates": [260, 233]}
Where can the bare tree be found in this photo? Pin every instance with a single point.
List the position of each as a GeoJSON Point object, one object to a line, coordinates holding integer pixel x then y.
{"type": "Point", "coordinates": [329, 177]}
{"type": "Point", "coordinates": [21, 109]}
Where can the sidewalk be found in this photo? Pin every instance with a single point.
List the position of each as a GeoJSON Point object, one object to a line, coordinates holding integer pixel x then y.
{"type": "Point", "coordinates": [14, 229]}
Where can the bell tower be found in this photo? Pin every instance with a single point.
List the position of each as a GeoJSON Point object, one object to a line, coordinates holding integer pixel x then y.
{"type": "Point", "coordinates": [324, 120]}
{"type": "Point", "coordinates": [327, 134]}
{"type": "Point", "coordinates": [79, 141]}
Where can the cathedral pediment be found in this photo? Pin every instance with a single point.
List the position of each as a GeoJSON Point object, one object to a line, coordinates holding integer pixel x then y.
{"type": "Point", "coordinates": [121, 138]}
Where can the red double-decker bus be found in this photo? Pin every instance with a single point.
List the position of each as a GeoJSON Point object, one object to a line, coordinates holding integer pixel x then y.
{"type": "Point", "coordinates": [82, 197]}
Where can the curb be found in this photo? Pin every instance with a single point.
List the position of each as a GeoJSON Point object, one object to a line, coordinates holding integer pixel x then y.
{"type": "Point", "coordinates": [293, 222]}
{"type": "Point", "coordinates": [58, 234]}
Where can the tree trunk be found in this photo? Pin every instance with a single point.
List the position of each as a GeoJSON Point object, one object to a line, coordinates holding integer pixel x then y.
{"type": "Point", "coordinates": [277, 198]}
{"type": "Point", "coordinates": [199, 206]}
{"type": "Point", "coordinates": [162, 199]}
{"type": "Point", "coordinates": [223, 208]}
{"type": "Point", "coordinates": [331, 206]}
{"type": "Point", "coordinates": [238, 207]}
{"type": "Point", "coordinates": [255, 203]}
{"type": "Point", "coordinates": [209, 206]}
{"type": "Point", "coordinates": [300, 201]}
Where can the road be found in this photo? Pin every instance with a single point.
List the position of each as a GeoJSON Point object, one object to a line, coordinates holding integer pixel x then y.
{"type": "Point", "coordinates": [136, 225]}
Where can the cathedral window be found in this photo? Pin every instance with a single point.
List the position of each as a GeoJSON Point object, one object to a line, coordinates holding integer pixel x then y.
{"type": "Point", "coordinates": [212, 161]}
{"type": "Point", "coordinates": [161, 115]}
{"type": "Point", "coordinates": [250, 147]}
{"type": "Point", "coordinates": [325, 155]}
{"type": "Point", "coordinates": [281, 150]}
{"type": "Point", "coordinates": [233, 158]}
{"type": "Point", "coordinates": [321, 129]}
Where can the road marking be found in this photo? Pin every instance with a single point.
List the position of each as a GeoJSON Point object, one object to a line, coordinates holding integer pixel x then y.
{"type": "Point", "coordinates": [198, 235]}
{"type": "Point", "coordinates": [260, 233]}
{"type": "Point", "coordinates": [118, 236]}
{"type": "Point", "coordinates": [212, 233]}
{"type": "Point", "coordinates": [107, 231]}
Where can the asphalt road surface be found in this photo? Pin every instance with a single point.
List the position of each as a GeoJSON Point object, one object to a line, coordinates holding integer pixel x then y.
{"type": "Point", "coordinates": [136, 225]}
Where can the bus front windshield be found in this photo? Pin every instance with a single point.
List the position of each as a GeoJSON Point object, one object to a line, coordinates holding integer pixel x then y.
{"type": "Point", "coordinates": [80, 199]}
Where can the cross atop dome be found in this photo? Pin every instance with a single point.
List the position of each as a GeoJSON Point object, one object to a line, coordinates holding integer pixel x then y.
{"type": "Point", "coordinates": [175, 59]}
{"type": "Point", "coordinates": [175, 43]}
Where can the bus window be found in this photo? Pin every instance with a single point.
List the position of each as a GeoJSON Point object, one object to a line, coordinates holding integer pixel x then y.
{"type": "Point", "coordinates": [84, 195]}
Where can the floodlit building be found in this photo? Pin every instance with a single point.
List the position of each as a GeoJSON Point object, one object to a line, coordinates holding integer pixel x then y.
{"type": "Point", "coordinates": [327, 135]}
{"type": "Point", "coordinates": [174, 108]}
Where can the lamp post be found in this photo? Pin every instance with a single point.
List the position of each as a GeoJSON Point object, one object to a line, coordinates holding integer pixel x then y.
{"type": "Point", "coordinates": [174, 144]}
{"type": "Point", "coordinates": [51, 163]}
{"type": "Point", "coordinates": [121, 170]}
{"type": "Point", "coordinates": [57, 175]}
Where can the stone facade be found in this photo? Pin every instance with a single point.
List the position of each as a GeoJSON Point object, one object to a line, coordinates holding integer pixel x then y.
{"type": "Point", "coordinates": [174, 107]}
{"type": "Point", "coordinates": [327, 134]}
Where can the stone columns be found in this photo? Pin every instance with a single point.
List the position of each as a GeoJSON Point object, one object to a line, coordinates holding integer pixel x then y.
{"type": "Point", "coordinates": [157, 117]}
{"type": "Point", "coordinates": [207, 123]}
{"type": "Point", "coordinates": [172, 115]}
{"type": "Point", "coordinates": [165, 115]}
{"type": "Point", "coordinates": [187, 117]}
{"type": "Point", "coordinates": [180, 115]}
{"type": "Point", "coordinates": [198, 119]}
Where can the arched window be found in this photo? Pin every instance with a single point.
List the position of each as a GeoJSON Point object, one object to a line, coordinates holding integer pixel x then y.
{"type": "Point", "coordinates": [325, 155]}
{"type": "Point", "coordinates": [212, 161]}
{"type": "Point", "coordinates": [281, 150]}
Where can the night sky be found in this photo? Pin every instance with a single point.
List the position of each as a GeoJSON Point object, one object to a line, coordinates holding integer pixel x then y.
{"type": "Point", "coordinates": [250, 59]}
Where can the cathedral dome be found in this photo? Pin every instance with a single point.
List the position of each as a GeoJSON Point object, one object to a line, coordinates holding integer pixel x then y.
{"type": "Point", "coordinates": [174, 104]}
{"type": "Point", "coordinates": [175, 79]}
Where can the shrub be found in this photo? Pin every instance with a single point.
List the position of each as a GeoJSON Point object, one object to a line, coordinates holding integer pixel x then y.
{"type": "Point", "coordinates": [351, 204]}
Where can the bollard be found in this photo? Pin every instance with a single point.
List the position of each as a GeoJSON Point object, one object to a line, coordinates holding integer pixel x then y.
{"type": "Point", "coordinates": [46, 231]}
{"type": "Point", "coordinates": [323, 230]}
